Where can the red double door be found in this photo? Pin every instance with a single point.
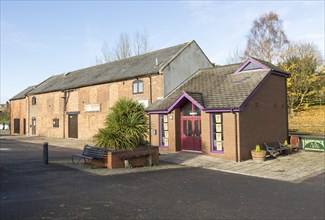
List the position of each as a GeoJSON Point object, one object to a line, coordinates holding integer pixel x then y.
{"type": "Point", "coordinates": [191, 128]}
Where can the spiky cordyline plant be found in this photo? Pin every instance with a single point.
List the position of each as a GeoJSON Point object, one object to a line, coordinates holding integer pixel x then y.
{"type": "Point", "coordinates": [126, 126]}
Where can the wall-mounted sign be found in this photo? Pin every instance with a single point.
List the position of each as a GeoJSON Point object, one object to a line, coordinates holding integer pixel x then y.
{"type": "Point", "coordinates": [316, 144]}
{"type": "Point", "coordinates": [92, 107]}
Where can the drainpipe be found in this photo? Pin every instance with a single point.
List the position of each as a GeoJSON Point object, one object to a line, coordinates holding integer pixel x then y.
{"type": "Point", "coordinates": [64, 111]}
{"type": "Point", "coordinates": [65, 102]}
{"type": "Point", "coordinates": [150, 101]}
{"type": "Point", "coordinates": [286, 107]}
{"type": "Point", "coordinates": [236, 133]}
{"type": "Point", "coordinates": [28, 115]}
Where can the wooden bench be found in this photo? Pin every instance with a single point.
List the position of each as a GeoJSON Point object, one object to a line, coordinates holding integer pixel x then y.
{"type": "Point", "coordinates": [89, 153]}
{"type": "Point", "coordinates": [275, 147]}
{"type": "Point", "coordinates": [128, 158]}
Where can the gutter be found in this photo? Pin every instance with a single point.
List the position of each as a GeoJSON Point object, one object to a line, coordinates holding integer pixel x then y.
{"type": "Point", "coordinates": [150, 102]}
{"type": "Point", "coordinates": [28, 114]}
{"type": "Point", "coordinates": [65, 102]}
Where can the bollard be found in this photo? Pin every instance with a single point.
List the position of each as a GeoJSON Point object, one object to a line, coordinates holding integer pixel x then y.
{"type": "Point", "coordinates": [45, 153]}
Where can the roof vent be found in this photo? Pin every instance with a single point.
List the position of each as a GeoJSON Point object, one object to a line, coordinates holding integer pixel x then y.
{"type": "Point", "coordinates": [157, 61]}
{"type": "Point", "coordinates": [241, 80]}
{"type": "Point", "coordinates": [65, 74]}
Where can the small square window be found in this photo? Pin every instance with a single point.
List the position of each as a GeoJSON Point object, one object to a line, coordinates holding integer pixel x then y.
{"type": "Point", "coordinates": [56, 123]}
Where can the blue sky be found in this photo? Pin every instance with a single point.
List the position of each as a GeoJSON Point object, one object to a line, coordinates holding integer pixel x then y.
{"type": "Point", "coordinates": [44, 38]}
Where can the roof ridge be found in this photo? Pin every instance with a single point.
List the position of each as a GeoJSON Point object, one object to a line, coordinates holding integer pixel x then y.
{"type": "Point", "coordinates": [222, 66]}
{"type": "Point", "coordinates": [126, 59]}
{"type": "Point", "coordinates": [174, 57]}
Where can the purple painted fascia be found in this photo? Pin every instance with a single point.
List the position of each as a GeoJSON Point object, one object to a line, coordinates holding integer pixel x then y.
{"type": "Point", "coordinates": [184, 95]}
{"type": "Point", "coordinates": [251, 60]}
{"type": "Point", "coordinates": [254, 91]}
{"type": "Point", "coordinates": [221, 110]}
{"type": "Point", "coordinates": [158, 112]}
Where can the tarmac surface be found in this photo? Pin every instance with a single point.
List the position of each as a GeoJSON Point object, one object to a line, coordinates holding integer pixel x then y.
{"type": "Point", "coordinates": [294, 167]}
{"type": "Point", "coordinates": [60, 190]}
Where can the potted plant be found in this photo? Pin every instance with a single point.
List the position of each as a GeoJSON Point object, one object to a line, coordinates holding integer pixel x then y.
{"type": "Point", "coordinates": [124, 136]}
{"type": "Point", "coordinates": [258, 154]}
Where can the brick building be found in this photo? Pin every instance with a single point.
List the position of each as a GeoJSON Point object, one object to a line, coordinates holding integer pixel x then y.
{"type": "Point", "coordinates": [223, 111]}
{"type": "Point", "coordinates": [75, 104]}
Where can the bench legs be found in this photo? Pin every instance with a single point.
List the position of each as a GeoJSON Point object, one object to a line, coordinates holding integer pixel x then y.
{"type": "Point", "coordinates": [150, 160]}
{"type": "Point", "coordinates": [78, 160]}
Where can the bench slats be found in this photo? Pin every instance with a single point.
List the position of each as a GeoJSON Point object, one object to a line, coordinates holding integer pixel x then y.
{"type": "Point", "coordinates": [275, 147]}
{"type": "Point", "coordinates": [89, 152]}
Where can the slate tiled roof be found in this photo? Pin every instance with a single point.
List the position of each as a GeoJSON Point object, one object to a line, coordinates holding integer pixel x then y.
{"type": "Point", "coordinates": [220, 88]}
{"type": "Point", "coordinates": [23, 93]}
{"type": "Point", "coordinates": [133, 67]}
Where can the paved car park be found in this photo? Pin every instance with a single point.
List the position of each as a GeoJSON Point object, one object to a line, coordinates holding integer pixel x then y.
{"type": "Point", "coordinates": [31, 190]}
{"type": "Point", "coordinates": [294, 167]}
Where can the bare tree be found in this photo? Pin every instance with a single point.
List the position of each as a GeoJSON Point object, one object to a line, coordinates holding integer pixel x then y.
{"type": "Point", "coordinates": [140, 43]}
{"type": "Point", "coordinates": [106, 55]}
{"type": "Point", "coordinates": [266, 39]}
{"type": "Point", "coordinates": [125, 48]}
{"type": "Point", "coordinates": [236, 56]}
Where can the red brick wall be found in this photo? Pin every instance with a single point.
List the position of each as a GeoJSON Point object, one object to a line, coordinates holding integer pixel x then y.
{"type": "Point", "coordinates": [229, 152]}
{"type": "Point", "coordinates": [18, 111]}
{"type": "Point", "coordinates": [114, 158]}
{"type": "Point", "coordinates": [154, 130]}
{"type": "Point", "coordinates": [264, 118]}
{"type": "Point", "coordinates": [48, 106]}
{"type": "Point", "coordinates": [51, 105]}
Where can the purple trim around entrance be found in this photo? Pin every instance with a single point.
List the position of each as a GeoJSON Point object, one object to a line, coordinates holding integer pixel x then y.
{"type": "Point", "coordinates": [184, 95]}
{"type": "Point", "coordinates": [251, 60]}
{"type": "Point", "coordinates": [211, 138]}
{"type": "Point", "coordinates": [160, 130]}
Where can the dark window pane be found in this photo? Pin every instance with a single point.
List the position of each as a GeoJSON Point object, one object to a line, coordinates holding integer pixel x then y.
{"type": "Point", "coordinates": [34, 101]}
{"type": "Point", "coordinates": [197, 111]}
{"type": "Point", "coordinates": [185, 127]}
{"type": "Point", "coordinates": [162, 126]}
{"type": "Point", "coordinates": [189, 128]}
{"type": "Point", "coordinates": [251, 66]}
{"type": "Point", "coordinates": [56, 123]}
{"type": "Point", "coordinates": [187, 110]}
{"type": "Point", "coordinates": [196, 128]}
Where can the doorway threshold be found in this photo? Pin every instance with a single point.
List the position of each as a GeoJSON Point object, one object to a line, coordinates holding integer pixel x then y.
{"type": "Point", "coordinates": [192, 151]}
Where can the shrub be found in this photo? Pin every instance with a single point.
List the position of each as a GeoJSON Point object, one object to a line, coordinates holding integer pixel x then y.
{"type": "Point", "coordinates": [126, 126]}
{"type": "Point", "coordinates": [258, 148]}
